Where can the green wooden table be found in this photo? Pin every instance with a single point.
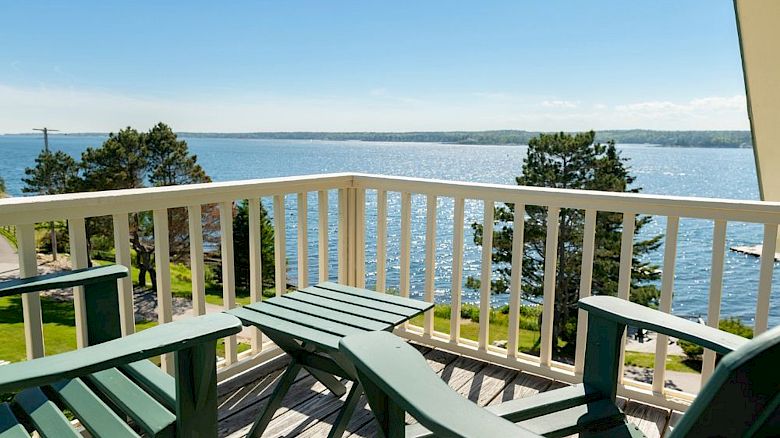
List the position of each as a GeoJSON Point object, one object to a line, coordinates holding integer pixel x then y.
{"type": "Point", "coordinates": [309, 323]}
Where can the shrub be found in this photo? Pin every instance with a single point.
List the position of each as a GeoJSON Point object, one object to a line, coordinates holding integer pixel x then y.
{"type": "Point", "coordinates": [731, 325]}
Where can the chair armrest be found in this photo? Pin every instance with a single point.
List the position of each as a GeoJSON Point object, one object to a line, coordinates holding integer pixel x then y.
{"type": "Point", "coordinates": [152, 342]}
{"type": "Point", "coordinates": [628, 313]}
{"type": "Point", "coordinates": [390, 365]}
{"type": "Point", "coordinates": [60, 280]}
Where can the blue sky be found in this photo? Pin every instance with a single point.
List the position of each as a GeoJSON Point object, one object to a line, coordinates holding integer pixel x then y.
{"type": "Point", "coordinates": [425, 65]}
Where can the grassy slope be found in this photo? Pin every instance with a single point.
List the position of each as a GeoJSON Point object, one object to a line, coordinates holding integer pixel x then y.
{"type": "Point", "coordinates": [60, 331]}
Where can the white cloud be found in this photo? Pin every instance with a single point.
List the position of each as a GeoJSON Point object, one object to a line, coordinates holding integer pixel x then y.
{"type": "Point", "coordinates": [567, 104]}
{"type": "Point", "coordinates": [79, 110]}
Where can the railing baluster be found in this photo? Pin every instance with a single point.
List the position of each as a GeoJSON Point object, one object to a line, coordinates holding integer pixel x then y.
{"type": "Point", "coordinates": [624, 276]}
{"type": "Point", "coordinates": [122, 257]}
{"type": "Point", "coordinates": [457, 269]}
{"type": "Point", "coordinates": [31, 302]}
{"type": "Point", "coordinates": [406, 241]}
{"type": "Point", "coordinates": [303, 241]}
{"type": "Point", "coordinates": [586, 282]}
{"type": "Point", "coordinates": [550, 269]}
{"type": "Point", "coordinates": [768, 249]}
{"type": "Point", "coordinates": [280, 246]}
{"type": "Point", "coordinates": [228, 273]}
{"type": "Point", "coordinates": [381, 240]}
{"type": "Point", "coordinates": [665, 305]}
{"type": "Point", "coordinates": [626, 255]}
{"type": "Point", "coordinates": [716, 288]}
{"type": "Point", "coordinates": [486, 275]}
{"type": "Point", "coordinates": [351, 243]}
{"type": "Point", "coordinates": [430, 260]}
{"type": "Point", "coordinates": [162, 262]}
{"type": "Point", "coordinates": [360, 237]}
{"type": "Point", "coordinates": [515, 289]}
{"type": "Point", "coordinates": [255, 266]}
{"type": "Point", "coordinates": [79, 258]}
{"type": "Point", "coordinates": [322, 241]}
{"type": "Point", "coordinates": [198, 275]}
{"type": "Point", "coordinates": [343, 231]}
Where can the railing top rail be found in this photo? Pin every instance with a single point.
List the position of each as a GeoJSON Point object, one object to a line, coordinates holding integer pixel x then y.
{"type": "Point", "coordinates": [43, 208]}
{"type": "Point", "coordinates": [30, 209]}
{"type": "Point", "coordinates": [682, 206]}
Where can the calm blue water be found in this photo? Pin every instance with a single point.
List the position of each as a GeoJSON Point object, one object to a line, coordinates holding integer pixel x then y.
{"type": "Point", "coordinates": [723, 173]}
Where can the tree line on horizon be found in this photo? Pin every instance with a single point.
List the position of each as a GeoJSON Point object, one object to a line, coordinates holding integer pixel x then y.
{"type": "Point", "coordinates": [717, 139]}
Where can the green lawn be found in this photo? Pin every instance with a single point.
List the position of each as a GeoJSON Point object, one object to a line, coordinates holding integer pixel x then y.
{"type": "Point", "coordinates": [59, 328]}
{"type": "Point", "coordinates": [528, 339]}
{"type": "Point", "coordinates": [181, 284]}
{"type": "Point", "coordinates": [673, 363]}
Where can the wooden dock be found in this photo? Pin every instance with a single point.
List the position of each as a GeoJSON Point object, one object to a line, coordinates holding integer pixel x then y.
{"type": "Point", "coordinates": [309, 409]}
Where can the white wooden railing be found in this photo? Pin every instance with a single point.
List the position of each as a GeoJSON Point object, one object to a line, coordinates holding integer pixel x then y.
{"type": "Point", "coordinates": [351, 244]}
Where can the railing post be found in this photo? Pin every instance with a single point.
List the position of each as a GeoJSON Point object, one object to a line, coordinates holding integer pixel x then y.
{"type": "Point", "coordinates": [352, 232]}
{"type": "Point", "coordinates": [31, 302]}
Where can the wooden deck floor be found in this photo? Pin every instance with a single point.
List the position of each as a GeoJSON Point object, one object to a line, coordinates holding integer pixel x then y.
{"type": "Point", "coordinates": [309, 408]}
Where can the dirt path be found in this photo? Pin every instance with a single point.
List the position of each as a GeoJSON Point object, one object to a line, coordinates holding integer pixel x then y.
{"type": "Point", "coordinates": [9, 263]}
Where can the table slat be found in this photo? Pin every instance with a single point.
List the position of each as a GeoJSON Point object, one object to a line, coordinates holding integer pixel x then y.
{"type": "Point", "coordinates": [330, 314]}
{"type": "Point", "coordinates": [405, 312]}
{"type": "Point", "coordinates": [315, 322]}
{"type": "Point", "coordinates": [365, 312]}
{"type": "Point", "coordinates": [420, 306]}
{"type": "Point", "coordinates": [288, 328]}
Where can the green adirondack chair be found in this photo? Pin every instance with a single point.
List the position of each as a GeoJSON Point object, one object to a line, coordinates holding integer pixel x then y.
{"type": "Point", "coordinates": [742, 398]}
{"type": "Point", "coordinates": [110, 386]}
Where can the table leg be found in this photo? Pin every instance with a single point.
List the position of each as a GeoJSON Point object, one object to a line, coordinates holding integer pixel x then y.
{"type": "Point", "coordinates": [331, 382]}
{"type": "Point", "coordinates": [342, 420]}
{"type": "Point", "coordinates": [287, 379]}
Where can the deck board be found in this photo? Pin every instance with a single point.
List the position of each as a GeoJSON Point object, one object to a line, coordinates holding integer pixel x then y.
{"type": "Point", "coordinates": [309, 409]}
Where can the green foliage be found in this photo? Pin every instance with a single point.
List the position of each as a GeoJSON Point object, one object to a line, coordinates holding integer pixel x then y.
{"type": "Point", "coordinates": [241, 246]}
{"type": "Point", "coordinates": [2, 187]}
{"type": "Point", "coordinates": [53, 173]}
{"type": "Point", "coordinates": [569, 161]}
{"type": "Point", "coordinates": [132, 159]}
{"type": "Point", "coordinates": [731, 325]}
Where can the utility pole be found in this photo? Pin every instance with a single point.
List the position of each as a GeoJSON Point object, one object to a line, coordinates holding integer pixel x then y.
{"type": "Point", "coordinates": [45, 136]}
{"type": "Point", "coordinates": [51, 224]}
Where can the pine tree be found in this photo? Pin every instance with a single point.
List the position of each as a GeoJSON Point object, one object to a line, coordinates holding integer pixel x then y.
{"type": "Point", "coordinates": [569, 161]}
{"type": "Point", "coordinates": [54, 173]}
{"type": "Point", "coordinates": [241, 246]}
{"type": "Point", "coordinates": [131, 159]}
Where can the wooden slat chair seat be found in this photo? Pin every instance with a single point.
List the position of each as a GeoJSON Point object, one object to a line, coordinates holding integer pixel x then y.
{"type": "Point", "coordinates": [111, 387]}
{"type": "Point", "coordinates": [742, 398]}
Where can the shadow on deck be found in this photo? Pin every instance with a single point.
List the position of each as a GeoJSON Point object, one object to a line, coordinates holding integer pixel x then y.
{"type": "Point", "coordinates": [309, 409]}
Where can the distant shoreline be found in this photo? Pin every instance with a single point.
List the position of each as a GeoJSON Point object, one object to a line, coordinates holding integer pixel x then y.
{"type": "Point", "coordinates": [706, 139]}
